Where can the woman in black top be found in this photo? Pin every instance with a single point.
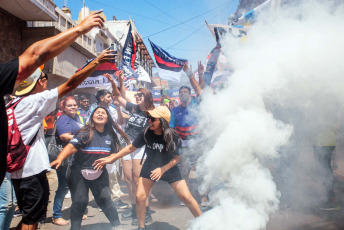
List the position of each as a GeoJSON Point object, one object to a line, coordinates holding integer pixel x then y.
{"type": "Point", "coordinates": [96, 140]}
{"type": "Point", "coordinates": [162, 145]}
{"type": "Point", "coordinates": [137, 122]}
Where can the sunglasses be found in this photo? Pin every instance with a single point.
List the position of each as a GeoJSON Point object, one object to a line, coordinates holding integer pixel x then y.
{"type": "Point", "coordinates": [152, 119]}
{"type": "Point", "coordinates": [44, 76]}
{"type": "Point", "coordinates": [85, 101]}
{"type": "Point", "coordinates": [138, 95]}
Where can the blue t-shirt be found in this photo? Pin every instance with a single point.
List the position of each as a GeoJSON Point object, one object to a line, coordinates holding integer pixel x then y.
{"type": "Point", "coordinates": [67, 124]}
{"type": "Point", "coordinates": [185, 120]}
{"type": "Point", "coordinates": [100, 146]}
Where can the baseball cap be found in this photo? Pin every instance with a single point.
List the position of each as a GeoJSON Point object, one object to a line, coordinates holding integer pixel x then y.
{"type": "Point", "coordinates": [160, 111]}
{"type": "Point", "coordinates": [28, 84]}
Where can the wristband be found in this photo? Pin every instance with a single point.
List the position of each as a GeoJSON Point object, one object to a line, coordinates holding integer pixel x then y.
{"type": "Point", "coordinates": [189, 73]}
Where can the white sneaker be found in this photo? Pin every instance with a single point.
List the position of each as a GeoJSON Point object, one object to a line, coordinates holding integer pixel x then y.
{"type": "Point", "coordinates": [68, 195]}
{"type": "Point", "coordinates": [117, 228]}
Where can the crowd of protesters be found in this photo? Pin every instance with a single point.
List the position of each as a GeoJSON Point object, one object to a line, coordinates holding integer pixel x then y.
{"type": "Point", "coordinates": [90, 136]}
{"type": "Point", "coordinates": [153, 143]}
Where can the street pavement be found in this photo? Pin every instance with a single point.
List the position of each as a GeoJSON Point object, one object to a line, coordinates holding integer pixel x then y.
{"type": "Point", "coordinates": [169, 215]}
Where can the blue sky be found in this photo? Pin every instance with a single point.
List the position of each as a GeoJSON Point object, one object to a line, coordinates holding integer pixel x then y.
{"type": "Point", "coordinates": [191, 40]}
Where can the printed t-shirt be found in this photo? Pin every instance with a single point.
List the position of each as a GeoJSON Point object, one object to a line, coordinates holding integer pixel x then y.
{"type": "Point", "coordinates": [156, 155]}
{"type": "Point", "coordinates": [100, 146]}
{"type": "Point", "coordinates": [67, 124]}
{"type": "Point", "coordinates": [137, 121]}
{"type": "Point", "coordinates": [8, 76]}
{"type": "Point", "coordinates": [29, 114]}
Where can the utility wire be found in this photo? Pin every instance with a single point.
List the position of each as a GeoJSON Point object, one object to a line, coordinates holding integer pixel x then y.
{"type": "Point", "coordinates": [153, 19]}
{"type": "Point", "coordinates": [152, 5]}
{"type": "Point", "coordinates": [193, 32]}
{"type": "Point", "coordinates": [186, 21]}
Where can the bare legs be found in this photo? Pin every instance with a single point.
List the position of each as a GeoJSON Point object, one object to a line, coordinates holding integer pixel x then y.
{"type": "Point", "coordinates": [144, 187]}
{"type": "Point", "coordinates": [183, 193]}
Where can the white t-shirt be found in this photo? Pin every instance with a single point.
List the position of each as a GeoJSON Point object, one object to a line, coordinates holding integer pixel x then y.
{"type": "Point", "coordinates": [29, 114]}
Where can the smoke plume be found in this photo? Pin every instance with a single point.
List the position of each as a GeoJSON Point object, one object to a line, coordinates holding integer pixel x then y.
{"type": "Point", "coordinates": [287, 87]}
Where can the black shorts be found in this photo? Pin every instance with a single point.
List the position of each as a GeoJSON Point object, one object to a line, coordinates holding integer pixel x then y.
{"type": "Point", "coordinates": [170, 176]}
{"type": "Point", "coordinates": [32, 196]}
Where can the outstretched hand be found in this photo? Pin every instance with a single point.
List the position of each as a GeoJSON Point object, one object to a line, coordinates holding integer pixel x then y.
{"type": "Point", "coordinates": [56, 163]}
{"type": "Point", "coordinates": [91, 21]}
{"type": "Point", "coordinates": [99, 164]}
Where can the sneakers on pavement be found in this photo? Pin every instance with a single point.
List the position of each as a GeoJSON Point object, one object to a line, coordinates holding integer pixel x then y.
{"type": "Point", "coordinates": [129, 214]}
{"type": "Point", "coordinates": [148, 219]}
{"type": "Point", "coordinates": [68, 195]}
{"type": "Point", "coordinates": [121, 205]}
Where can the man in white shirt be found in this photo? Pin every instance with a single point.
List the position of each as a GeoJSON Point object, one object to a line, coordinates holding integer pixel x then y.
{"type": "Point", "coordinates": [30, 182]}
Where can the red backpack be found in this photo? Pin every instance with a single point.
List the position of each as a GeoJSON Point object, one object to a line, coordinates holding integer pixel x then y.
{"type": "Point", "coordinates": [16, 149]}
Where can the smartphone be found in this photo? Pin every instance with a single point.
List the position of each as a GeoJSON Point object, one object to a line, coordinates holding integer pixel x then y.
{"type": "Point", "coordinates": [112, 47]}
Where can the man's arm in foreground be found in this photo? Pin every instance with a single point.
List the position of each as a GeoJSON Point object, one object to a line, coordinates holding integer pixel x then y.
{"type": "Point", "coordinates": [42, 51]}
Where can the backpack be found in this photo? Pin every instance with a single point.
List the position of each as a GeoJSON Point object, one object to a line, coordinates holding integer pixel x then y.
{"type": "Point", "coordinates": [17, 151]}
{"type": "Point", "coordinates": [54, 145]}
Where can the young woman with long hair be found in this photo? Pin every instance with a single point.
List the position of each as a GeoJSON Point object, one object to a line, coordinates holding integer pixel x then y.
{"type": "Point", "coordinates": [162, 148]}
{"type": "Point", "coordinates": [137, 122]}
{"type": "Point", "coordinates": [95, 140]}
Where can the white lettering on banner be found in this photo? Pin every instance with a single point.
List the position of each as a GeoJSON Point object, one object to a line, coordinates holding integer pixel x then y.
{"type": "Point", "coordinates": [99, 81]}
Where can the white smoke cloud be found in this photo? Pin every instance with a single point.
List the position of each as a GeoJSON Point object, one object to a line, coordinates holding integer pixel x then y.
{"type": "Point", "coordinates": [288, 85]}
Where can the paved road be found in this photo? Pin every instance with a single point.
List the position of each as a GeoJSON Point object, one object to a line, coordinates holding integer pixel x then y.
{"type": "Point", "coordinates": [170, 216]}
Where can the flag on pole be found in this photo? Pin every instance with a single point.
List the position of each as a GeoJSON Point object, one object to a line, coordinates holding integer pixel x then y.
{"type": "Point", "coordinates": [169, 67]}
{"type": "Point", "coordinates": [218, 30]}
{"type": "Point", "coordinates": [211, 63]}
{"type": "Point", "coordinates": [129, 50]}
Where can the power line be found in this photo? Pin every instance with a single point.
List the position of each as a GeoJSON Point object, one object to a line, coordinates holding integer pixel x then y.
{"type": "Point", "coordinates": [152, 5]}
{"type": "Point", "coordinates": [123, 10]}
{"type": "Point", "coordinates": [186, 21]}
{"type": "Point", "coordinates": [197, 28]}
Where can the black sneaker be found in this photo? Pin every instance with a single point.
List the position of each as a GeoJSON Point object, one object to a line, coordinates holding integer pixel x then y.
{"type": "Point", "coordinates": [121, 205]}
{"type": "Point", "coordinates": [148, 219]}
{"type": "Point", "coordinates": [17, 213]}
{"type": "Point", "coordinates": [129, 214]}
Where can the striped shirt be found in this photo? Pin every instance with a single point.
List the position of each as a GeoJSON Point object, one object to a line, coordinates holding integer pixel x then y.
{"type": "Point", "coordinates": [100, 146]}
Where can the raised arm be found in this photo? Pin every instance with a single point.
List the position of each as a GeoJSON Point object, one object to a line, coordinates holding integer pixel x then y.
{"type": "Point", "coordinates": [194, 83]}
{"type": "Point", "coordinates": [67, 151]}
{"type": "Point", "coordinates": [99, 164]}
{"type": "Point", "coordinates": [119, 113]}
{"type": "Point", "coordinates": [78, 77]}
{"type": "Point", "coordinates": [115, 91]}
{"type": "Point", "coordinates": [200, 75]}
{"type": "Point", "coordinates": [42, 51]}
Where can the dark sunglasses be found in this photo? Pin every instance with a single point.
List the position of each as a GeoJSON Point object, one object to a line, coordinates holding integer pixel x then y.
{"type": "Point", "coordinates": [86, 101]}
{"type": "Point", "coordinates": [152, 119]}
{"type": "Point", "coordinates": [44, 76]}
{"type": "Point", "coordinates": [138, 95]}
